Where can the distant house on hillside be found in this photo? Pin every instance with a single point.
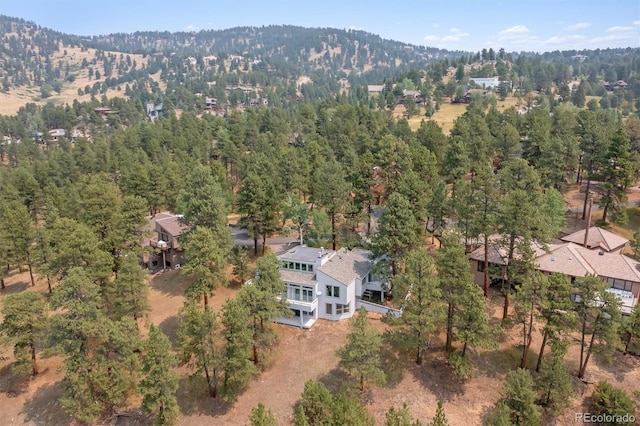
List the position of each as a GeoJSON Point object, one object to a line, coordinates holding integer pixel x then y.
{"type": "Point", "coordinates": [330, 284]}
{"type": "Point", "coordinates": [486, 83]}
{"type": "Point", "coordinates": [153, 111]}
{"type": "Point", "coordinates": [56, 134]}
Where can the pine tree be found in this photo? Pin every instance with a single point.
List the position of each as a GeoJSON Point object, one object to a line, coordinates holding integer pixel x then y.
{"type": "Point", "coordinates": [631, 328]}
{"type": "Point", "coordinates": [198, 345]}
{"type": "Point", "coordinates": [331, 191]}
{"type": "Point", "coordinates": [238, 366]}
{"type": "Point", "coordinates": [103, 356]}
{"type": "Point", "coordinates": [422, 307]}
{"type": "Point", "coordinates": [262, 416]}
{"type": "Point", "coordinates": [129, 294]}
{"type": "Point", "coordinates": [361, 353]}
{"type": "Point", "coordinates": [599, 318]}
{"type": "Point", "coordinates": [554, 382]}
{"type": "Point", "coordinates": [556, 312]}
{"type": "Point", "coordinates": [17, 230]}
{"type": "Point", "coordinates": [455, 282]}
{"type": "Point", "coordinates": [262, 300]}
{"type": "Point", "coordinates": [206, 258]}
{"type": "Point", "coordinates": [519, 398]}
{"type": "Point", "coordinates": [397, 231]}
{"type": "Point", "coordinates": [400, 417]}
{"type": "Point", "coordinates": [348, 410]}
{"type": "Point", "coordinates": [439, 419]}
{"type": "Point", "coordinates": [24, 321]}
{"type": "Point", "coordinates": [316, 403]}
{"type": "Point", "coordinates": [160, 383]}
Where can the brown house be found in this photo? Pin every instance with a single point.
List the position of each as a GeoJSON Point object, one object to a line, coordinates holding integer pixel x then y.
{"type": "Point", "coordinates": [167, 253]}
{"type": "Point", "coordinates": [621, 273]}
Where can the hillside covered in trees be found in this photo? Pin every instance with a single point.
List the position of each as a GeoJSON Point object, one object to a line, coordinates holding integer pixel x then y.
{"type": "Point", "coordinates": [327, 158]}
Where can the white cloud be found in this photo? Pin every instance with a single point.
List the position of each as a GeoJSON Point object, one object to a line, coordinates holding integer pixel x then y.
{"type": "Point", "coordinates": [615, 37]}
{"type": "Point", "coordinates": [636, 23]}
{"type": "Point", "coordinates": [518, 29]}
{"type": "Point", "coordinates": [455, 34]}
{"type": "Point", "coordinates": [562, 39]}
{"type": "Point", "coordinates": [578, 26]}
{"type": "Point", "coordinates": [190, 28]}
{"type": "Point", "coordinates": [618, 29]}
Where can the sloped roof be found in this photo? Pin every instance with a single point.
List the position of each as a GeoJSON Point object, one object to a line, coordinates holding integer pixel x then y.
{"type": "Point", "coordinates": [597, 238]}
{"type": "Point", "coordinates": [574, 260]}
{"type": "Point", "coordinates": [170, 223]}
{"type": "Point", "coordinates": [612, 265]}
{"type": "Point", "coordinates": [347, 265]}
{"type": "Point", "coordinates": [296, 277]}
{"type": "Point", "coordinates": [565, 259]}
{"type": "Point", "coordinates": [498, 252]}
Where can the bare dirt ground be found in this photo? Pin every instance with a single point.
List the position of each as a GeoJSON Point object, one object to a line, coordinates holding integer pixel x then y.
{"type": "Point", "coordinates": [310, 354]}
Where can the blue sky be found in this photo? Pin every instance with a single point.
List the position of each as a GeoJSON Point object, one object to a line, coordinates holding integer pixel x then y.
{"type": "Point", "coordinates": [516, 25]}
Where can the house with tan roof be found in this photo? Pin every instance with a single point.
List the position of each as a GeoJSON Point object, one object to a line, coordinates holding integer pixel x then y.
{"type": "Point", "coordinates": [598, 239]}
{"type": "Point", "coordinates": [620, 272]}
{"type": "Point", "coordinates": [331, 285]}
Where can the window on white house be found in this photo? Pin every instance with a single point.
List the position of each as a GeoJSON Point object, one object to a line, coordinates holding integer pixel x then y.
{"type": "Point", "coordinates": [342, 309]}
{"type": "Point", "coordinates": [297, 265]}
{"type": "Point", "coordinates": [307, 294]}
{"type": "Point", "coordinates": [310, 268]}
{"type": "Point", "coordinates": [329, 309]}
{"type": "Point", "coordinates": [304, 267]}
{"type": "Point", "coordinates": [333, 291]}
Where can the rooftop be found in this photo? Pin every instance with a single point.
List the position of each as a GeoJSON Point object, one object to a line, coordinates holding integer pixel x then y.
{"type": "Point", "coordinates": [597, 238]}
{"type": "Point", "coordinates": [169, 222]}
{"type": "Point", "coordinates": [305, 254]}
{"type": "Point", "coordinates": [347, 265]}
{"type": "Point", "coordinates": [296, 277]}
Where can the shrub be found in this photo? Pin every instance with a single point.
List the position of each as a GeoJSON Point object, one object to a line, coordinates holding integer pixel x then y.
{"type": "Point", "coordinates": [612, 401]}
{"type": "Point", "coordinates": [460, 366]}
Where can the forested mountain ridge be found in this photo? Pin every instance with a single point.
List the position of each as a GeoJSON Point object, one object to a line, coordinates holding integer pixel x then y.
{"type": "Point", "coordinates": [281, 64]}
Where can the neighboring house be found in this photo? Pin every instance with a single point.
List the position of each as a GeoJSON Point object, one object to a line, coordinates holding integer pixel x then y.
{"type": "Point", "coordinates": [56, 134]}
{"type": "Point", "coordinates": [621, 273]}
{"type": "Point", "coordinates": [167, 252]}
{"type": "Point", "coordinates": [375, 88]}
{"type": "Point", "coordinates": [598, 238]}
{"type": "Point", "coordinates": [486, 83]}
{"type": "Point", "coordinates": [153, 111]}
{"type": "Point", "coordinates": [329, 284]}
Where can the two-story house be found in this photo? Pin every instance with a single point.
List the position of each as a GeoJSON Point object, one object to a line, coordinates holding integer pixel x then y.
{"type": "Point", "coordinates": [329, 284]}
{"type": "Point", "coordinates": [600, 253]}
{"type": "Point", "coordinates": [167, 229]}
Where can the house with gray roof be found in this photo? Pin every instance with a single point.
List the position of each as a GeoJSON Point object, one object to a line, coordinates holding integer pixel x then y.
{"type": "Point", "coordinates": [328, 284]}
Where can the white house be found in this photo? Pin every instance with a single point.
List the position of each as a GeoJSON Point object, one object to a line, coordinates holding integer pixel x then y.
{"type": "Point", "coordinates": [486, 83]}
{"type": "Point", "coordinates": [329, 284]}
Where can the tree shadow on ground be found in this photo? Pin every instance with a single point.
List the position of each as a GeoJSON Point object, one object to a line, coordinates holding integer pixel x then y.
{"type": "Point", "coordinates": [335, 379]}
{"type": "Point", "coordinates": [133, 418]}
{"type": "Point", "coordinates": [434, 374]}
{"type": "Point", "coordinates": [392, 364]}
{"type": "Point", "coordinates": [12, 384]}
{"type": "Point", "coordinates": [496, 363]}
{"type": "Point", "coordinates": [171, 283]}
{"type": "Point", "coordinates": [44, 407]}
{"type": "Point", "coordinates": [193, 399]}
{"type": "Point", "coordinates": [14, 288]}
{"type": "Point", "coordinates": [170, 328]}
{"type": "Point", "coordinates": [620, 365]}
